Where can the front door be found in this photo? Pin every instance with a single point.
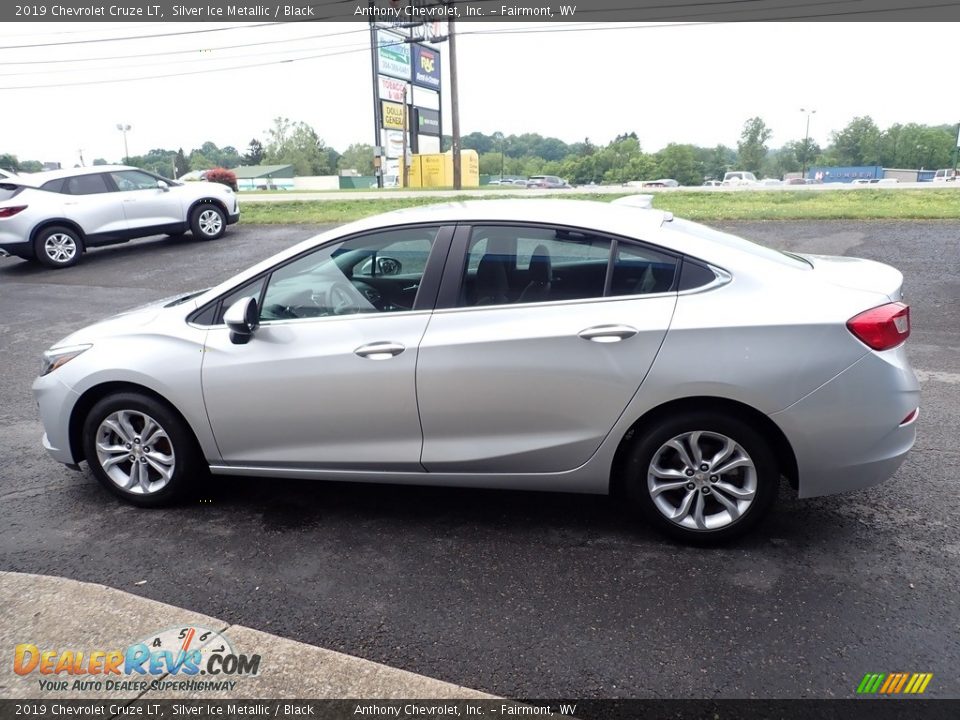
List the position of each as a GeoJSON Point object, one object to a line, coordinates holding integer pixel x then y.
{"type": "Point", "coordinates": [328, 379]}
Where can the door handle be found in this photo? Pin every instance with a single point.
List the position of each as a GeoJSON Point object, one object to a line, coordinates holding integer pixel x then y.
{"type": "Point", "coordinates": [380, 350]}
{"type": "Point", "coordinates": [608, 333]}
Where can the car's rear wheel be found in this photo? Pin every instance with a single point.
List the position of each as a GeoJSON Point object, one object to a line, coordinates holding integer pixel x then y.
{"type": "Point", "coordinates": [140, 450]}
{"type": "Point", "coordinates": [58, 246]}
{"type": "Point", "coordinates": [703, 477]}
{"type": "Point", "coordinates": [208, 222]}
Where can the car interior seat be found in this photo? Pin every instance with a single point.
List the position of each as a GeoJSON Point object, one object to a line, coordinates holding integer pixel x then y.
{"type": "Point", "coordinates": [541, 276]}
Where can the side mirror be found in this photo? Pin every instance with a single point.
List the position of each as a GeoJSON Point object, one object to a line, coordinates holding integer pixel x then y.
{"type": "Point", "coordinates": [388, 266]}
{"type": "Point", "coordinates": [243, 318]}
{"type": "Point", "coordinates": [163, 185]}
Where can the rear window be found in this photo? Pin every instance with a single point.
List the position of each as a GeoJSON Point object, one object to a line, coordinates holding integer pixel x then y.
{"type": "Point", "coordinates": [737, 243]}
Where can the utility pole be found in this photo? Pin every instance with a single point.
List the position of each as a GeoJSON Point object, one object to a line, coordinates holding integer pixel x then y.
{"type": "Point", "coordinates": [806, 139]}
{"type": "Point", "coordinates": [406, 129]}
{"type": "Point", "coordinates": [956, 149]}
{"type": "Point", "coordinates": [80, 152]}
{"type": "Point", "coordinates": [124, 128]}
{"type": "Point", "coordinates": [377, 141]}
{"type": "Point", "coordinates": [454, 105]}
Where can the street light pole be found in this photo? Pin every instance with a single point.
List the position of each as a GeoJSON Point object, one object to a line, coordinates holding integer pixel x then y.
{"type": "Point", "coordinates": [806, 140]}
{"type": "Point", "coordinates": [122, 127]}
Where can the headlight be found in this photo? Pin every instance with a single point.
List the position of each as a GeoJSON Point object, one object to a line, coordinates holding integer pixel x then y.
{"type": "Point", "coordinates": [57, 357]}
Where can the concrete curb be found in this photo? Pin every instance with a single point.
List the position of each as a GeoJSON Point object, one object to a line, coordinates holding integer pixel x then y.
{"type": "Point", "coordinates": [58, 614]}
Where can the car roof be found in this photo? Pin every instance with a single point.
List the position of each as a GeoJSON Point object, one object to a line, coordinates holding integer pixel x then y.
{"type": "Point", "coordinates": [38, 179]}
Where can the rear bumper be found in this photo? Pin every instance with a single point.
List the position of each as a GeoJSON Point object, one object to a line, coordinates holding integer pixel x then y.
{"type": "Point", "coordinates": [850, 433]}
{"type": "Point", "coordinates": [19, 249]}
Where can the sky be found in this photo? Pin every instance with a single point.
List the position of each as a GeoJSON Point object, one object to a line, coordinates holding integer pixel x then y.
{"type": "Point", "coordinates": [694, 83]}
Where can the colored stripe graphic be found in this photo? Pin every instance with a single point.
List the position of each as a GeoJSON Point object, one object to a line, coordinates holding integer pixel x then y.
{"type": "Point", "coordinates": [894, 683]}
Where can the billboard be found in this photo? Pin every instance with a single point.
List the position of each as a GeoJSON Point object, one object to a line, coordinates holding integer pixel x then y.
{"type": "Point", "coordinates": [391, 89]}
{"type": "Point", "coordinates": [393, 115]}
{"type": "Point", "coordinates": [428, 121]}
{"type": "Point", "coordinates": [393, 143]}
{"type": "Point", "coordinates": [393, 55]}
{"type": "Point", "coordinates": [426, 67]}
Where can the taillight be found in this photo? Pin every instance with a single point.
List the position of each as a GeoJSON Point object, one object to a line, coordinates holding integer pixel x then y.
{"type": "Point", "coordinates": [882, 328]}
{"type": "Point", "coordinates": [11, 211]}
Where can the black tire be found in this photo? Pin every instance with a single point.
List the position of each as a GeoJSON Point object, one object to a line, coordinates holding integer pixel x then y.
{"type": "Point", "coordinates": [188, 466]}
{"type": "Point", "coordinates": [765, 477]}
{"type": "Point", "coordinates": [208, 221]}
{"type": "Point", "coordinates": [58, 246]}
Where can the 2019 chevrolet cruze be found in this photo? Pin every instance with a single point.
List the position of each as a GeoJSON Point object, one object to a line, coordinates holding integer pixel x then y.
{"type": "Point", "coordinates": [53, 217]}
{"type": "Point", "coordinates": [531, 344]}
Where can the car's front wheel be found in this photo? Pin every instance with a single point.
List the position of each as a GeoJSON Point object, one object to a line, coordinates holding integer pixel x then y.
{"type": "Point", "coordinates": [703, 477]}
{"type": "Point", "coordinates": [140, 450]}
{"type": "Point", "coordinates": [208, 222]}
{"type": "Point", "coordinates": [58, 246]}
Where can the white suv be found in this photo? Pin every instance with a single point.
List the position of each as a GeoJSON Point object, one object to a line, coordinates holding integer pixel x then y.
{"type": "Point", "coordinates": [739, 177]}
{"type": "Point", "coordinates": [54, 216]}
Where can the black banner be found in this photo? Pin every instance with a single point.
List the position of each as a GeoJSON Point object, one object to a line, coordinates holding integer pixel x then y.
{"type": "Point", "coordinates": [424, 11]}
{"type": "Point", "coordinates": [432, 709]}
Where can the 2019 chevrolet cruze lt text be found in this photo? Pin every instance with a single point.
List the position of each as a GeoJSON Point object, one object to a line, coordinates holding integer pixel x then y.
{"type": "Point", "coordinates": [529, 344]}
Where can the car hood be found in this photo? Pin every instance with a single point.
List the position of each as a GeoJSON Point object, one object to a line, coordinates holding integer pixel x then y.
{"type": "Point", "coordinates": [858, 274]}
{"type": "Point", "coordinates": [128, 320]}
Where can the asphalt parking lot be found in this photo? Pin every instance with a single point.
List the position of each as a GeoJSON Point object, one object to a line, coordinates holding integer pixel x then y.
{"type": "Point", "coordinates": [518, 594]}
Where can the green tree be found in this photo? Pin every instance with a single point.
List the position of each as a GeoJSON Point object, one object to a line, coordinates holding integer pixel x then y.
{"type": "Point", "coordinates": [359, 157]}
{"type": "Point", "coordinates": [30, 166]}
{"type": "Point", "coordinates": [180, 163]}
{"type": "Point", "coordinates": [254, 154]}
{"type": "Point", "coordinates": [100, 161]}
{"type": "Point", "coordinates": [752, 148]}
{"type": "Point", "coordinates": [297, 144]}
{"type": "Point", "coordinates": [857, 144]}
{"type": "Point", "coordinates": [199, 161]}
{"type": "Point", "coordinates": [680, 163]}
{"type": "Point", "coordinates": [9, 162]}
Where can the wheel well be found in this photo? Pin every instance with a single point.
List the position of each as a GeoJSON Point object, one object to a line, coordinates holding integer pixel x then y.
{"type": "Point", "coordinates": [50, 223]}
{"type": "Point", "coordinates": [207, 201]}
{"type": "Point", "coordinates": [778, 441]}
{"type": "Point", "coordinates": [92, 396]}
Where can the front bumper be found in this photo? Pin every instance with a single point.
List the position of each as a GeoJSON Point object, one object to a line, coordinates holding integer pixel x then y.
{"type": "Point", "coordinates": [55, 402]}
{"type": "Point", "coordinates": [850, 433]}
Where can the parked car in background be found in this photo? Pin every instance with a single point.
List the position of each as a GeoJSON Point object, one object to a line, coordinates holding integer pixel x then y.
{"type": "Point", "coordinates": [661, 183]}
{"type": "Point", "coordinates": [886, 181]}
{"type": "Point", "coordinates": [739, 177]}
{"type": "Point", "coordinates": [53, 217]}
{"type": "Point", "coordinates": [546, 181]}
{"type": "Point", "coordinates": [770, 182]}
{"type": "Point", "coordinates": [528, 344]}
{"type": "Point", "coordinates": [712, 183]}
{"type": "Point", "coordinates": [798, 181]}
{"type": "Point", "coordinates": [945, 175]}
{"type": "Point", "coordinates": [860, 181]}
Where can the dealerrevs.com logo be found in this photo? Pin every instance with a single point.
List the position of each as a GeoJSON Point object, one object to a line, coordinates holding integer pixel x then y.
{"type": "Point", "coordinates": [187, 658]}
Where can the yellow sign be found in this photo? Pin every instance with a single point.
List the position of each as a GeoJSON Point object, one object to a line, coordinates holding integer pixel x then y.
{"type": "Point", "coordinates": [393, 115]}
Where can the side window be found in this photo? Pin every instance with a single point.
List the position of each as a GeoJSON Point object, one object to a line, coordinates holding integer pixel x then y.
{"type": "Point", "coordinates": [54, 185]}
{"type": "Point", "coordinates": [85, 185]}
{"type": "Point", "coordinates": [376, 273]}
{"type": "Point", "coordinates": [127, 180]}
{"type": "Point", "coordinates": [507, 265]}
{"type": "Point", "coordinates": [638, 270]}
{"type": "Point", "coordinates": [251, 289]}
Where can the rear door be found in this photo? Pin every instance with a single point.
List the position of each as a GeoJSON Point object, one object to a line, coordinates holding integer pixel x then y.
{"type": "Point", "coordinates": [541, 337]}
{"type": "Point", "coordinates": [89, 201]}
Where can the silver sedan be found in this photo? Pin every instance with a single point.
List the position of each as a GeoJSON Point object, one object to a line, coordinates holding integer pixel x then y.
{"type": "Point", "coordinates": [529, 344]}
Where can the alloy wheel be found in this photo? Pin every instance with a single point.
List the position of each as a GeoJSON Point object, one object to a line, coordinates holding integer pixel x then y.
{"type": "Point", "coordinates": [210, 222]}
{"type": "Point", "coordinates": [60, 247]}
{"type": "Point", "coordinates": [135, 452]}
{"type": "Point", "coordinates": [702, 480]}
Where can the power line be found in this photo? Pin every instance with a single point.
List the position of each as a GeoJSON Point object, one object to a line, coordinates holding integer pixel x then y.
{"type": "Point", "coordinates": [138, 37]}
